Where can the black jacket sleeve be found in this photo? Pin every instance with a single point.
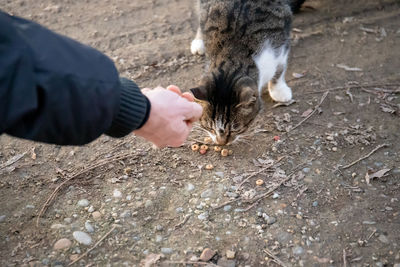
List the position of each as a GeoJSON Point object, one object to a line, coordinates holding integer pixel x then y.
{"type": "Point", "coordinates": [56, 90]}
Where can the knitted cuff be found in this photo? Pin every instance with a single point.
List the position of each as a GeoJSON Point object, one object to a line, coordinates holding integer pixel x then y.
{"type": "Point", "coordinates": [133, 111]}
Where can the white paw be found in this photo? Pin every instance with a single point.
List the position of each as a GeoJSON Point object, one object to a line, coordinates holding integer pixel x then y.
{"type": "Point", "coordinates": [197, 47]}
{"type": "Point", "coordinates": [281, 93]}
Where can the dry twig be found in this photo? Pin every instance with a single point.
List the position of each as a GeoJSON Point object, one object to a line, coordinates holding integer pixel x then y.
{"type": "Point", "coordinates": [364, 157]}
{"type": "Point", "coordinates": [274, 258]}
{"type": "Point", "coordinates": [75, 175]}
{"type": "Point", "coordinates": [355, 86]}
{"type": "Point", "coordinates": [95, 245]}
{"type": "Point", "coordinates": [193, 262]}
{"type": "Point", "coordinates": [344, 258]}
{"type": "Point", "coordinates": [312, 113]}
{"type": "Point", "coordinates": [182, 222]}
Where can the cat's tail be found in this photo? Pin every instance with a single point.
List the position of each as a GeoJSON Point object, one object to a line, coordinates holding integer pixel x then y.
{"type": "Point", "coordinates": [296, 5]}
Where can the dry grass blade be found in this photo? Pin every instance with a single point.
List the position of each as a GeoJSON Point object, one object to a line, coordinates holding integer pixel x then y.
{"type": "Point", "coordinates": [315, 109]}
{"type": "Point", "coordinates": [192, 262]}
{"type": "Point", "coordinates": [364, 157]}
{"type": "Point", "coordinates": [356, 86]}
{"type": "Point", "coordinates": [275, 258]}
{"type": "Point", "coordinates": [95, 245]}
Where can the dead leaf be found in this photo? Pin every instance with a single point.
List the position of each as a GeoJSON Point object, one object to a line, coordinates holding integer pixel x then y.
{"type": "Point", "coordinates": [347, 68]}
{"type": "Point", "coordinates": [151, 260]}
{"type": "Point", "coordinates": [307, 112]}
{"type": "Point", "coordinates": [378, 174]}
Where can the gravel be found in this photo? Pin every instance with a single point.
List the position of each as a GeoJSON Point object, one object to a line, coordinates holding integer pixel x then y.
{"type": "Point", "coordinates": [3, 218]}
{"type": "Point", "coordinates": [298, 250]}
{"type": "Point", "coordinates": [63, 243]}
{"type": "Point", "coordinates": [117, 193]}
{"type": "Point", "coordinates": [82, 238]}
{"type": "Point", "coordinates": [207, 193]}
{"type": "Point", "coordinates": [167, 250]}
{"type": "Point", "coordinates": [83, 203]}
{"type": "Point", "coordinates": [89, 227]}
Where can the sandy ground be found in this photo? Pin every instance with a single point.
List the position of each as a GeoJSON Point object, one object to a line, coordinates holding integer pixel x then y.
{"type": "Point", "coordinates": [313, 208]}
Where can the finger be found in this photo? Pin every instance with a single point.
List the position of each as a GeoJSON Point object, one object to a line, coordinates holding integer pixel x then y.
{"type": "Point", "coordinates": [174, 89]}
{"type": "Point", "coordinates": [193, 113]}
{"type": "Point", "coordinates": [188, 96]}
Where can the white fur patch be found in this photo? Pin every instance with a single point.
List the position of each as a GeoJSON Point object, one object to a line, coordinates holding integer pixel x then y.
{"type": "Point", "coordinates": [197, 47]}
{"type": "Point", "coordinates": [267, 62]}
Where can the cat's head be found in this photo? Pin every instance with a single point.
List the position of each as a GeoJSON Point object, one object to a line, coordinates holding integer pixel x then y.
{"type": "Point", "coordinates": [230, 104]}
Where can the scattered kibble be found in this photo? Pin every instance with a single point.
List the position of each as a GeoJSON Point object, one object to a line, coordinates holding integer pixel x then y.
{"type": "Point", "coordinates": [128, 170]}
{"type": "Point", "coordinates": [230, 152]}
{"type": "Point", "coordinates": [203, 147]}
{"type": "Point", "coordinates": [195, 147]}
{"type": "Point", "coordinates": [259, 182]}
{"type": "Point", "coordinates": [203, 151]}
{"type": "Point", "coordinates": [217, 148]}
{"type": "Point", "coordinates": [277, 138]}
{"type": "Point", "coordinates": [209, 167]}
{"type": "Point", "coordinates": [207, 140]}
{"type": "Point", "coordinates": [224, 152]}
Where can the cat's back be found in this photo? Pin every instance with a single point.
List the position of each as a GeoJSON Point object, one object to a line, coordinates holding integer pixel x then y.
{"type": "Point", "coordinates": [244, 23]}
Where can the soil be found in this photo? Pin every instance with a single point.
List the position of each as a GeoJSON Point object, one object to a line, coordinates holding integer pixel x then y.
{"type": "Point", "coordinates": [311, 210]}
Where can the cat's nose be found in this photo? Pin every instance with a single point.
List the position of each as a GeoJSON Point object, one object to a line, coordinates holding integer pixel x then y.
{"type": "Point", "coordinates": [221, 140]}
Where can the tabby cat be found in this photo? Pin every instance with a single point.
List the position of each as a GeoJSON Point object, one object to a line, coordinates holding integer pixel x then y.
{"type": "Point", "coordinates": [247, 44]}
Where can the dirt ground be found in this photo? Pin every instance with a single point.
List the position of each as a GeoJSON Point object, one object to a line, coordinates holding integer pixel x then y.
{"type": "Point", "coordinates": [313, 208]}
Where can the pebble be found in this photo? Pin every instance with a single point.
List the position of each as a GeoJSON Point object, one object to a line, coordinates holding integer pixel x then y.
{"type": "Point", "coordinates": [89, 227]}
{"type": "Point", "coordinates": [125, 214]}
{"type": "Point", "coordinates": [315, 204]}
{"type": "Point", "coordinates": [159, 228]}
{"type": "Point", "coordinates": [57, 226]}
{"type": "Point", "coordinates": [227, 208]}
{"type": "Point", "coordinates": [29, 206]}
{"type": "Point", "coordinates": [83, 203]}
{"type": "Point", "coordinates": [90, 209]}
{"type": "Point", "coordinates": [82, 238]}
{"type": "Point", "coordinates": [306, 170]}
{"type": "Point", "coordinates": [96, 215]}
{"type": "Point", "coordinates": [230, 254]}
{"type": "Point", "coordinates": [383, 239]}
{"type": "Point", "coordinates": [68, 220]}
{"type": "Point", "coordinates": [203, 216]}
{"type": "Point", "coordinates": [298, 250]}
{"type": "Point", "coordinates": [396, 171]}
{"type": "Point", "coordinates": [232, 194]}
{"type": "Point", "coordinates": [117, 193]}
{"type": "Point", "coordinates": [334, 149]}
{"type": "Point", "coordinates": [45, 261]}
{"type": "Point", "coordinates": [166, 250]}
{"type": "Point", "coordinates": [207, 194]}
{"type": "Point", "coordinates": [179, 210]}
{"type": "Point", "coordinates": [369, 222]}
{"type": "Point", "coordinates": [159, 238]}
{"type": "Point", "coordinates": [220, 174]}
{"type": "Point", "coordinates": [190, 187]}
{"type": "Point", "coordinates": [3, 218]}
{"type": "Point", "coordinates": [224, 262]}
{"type": "Point", "coordinates": [63, 243]}
{"type": "Point", "coordinates": [275, 195]}
{"type": "Point", "coordinates": [207, 254]}
{"type": "Point", "coordinates": [148, 203]}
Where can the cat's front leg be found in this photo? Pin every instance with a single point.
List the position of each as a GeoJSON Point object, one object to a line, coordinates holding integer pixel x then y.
{"type": "Point", "coordinates": [197, 46]}
{"type": "Point", "coordinates": [277, 87]}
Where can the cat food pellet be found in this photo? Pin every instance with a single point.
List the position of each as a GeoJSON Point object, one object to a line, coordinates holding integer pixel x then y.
{"type": "Point", "coordinates": [203, 151]}
{"type": "Point", "coordinates": [230, 151]}
{"type": "Point", "coordinates": [259, 182]}
{"type": "Point", "coordinates": [209, 167]}
{"type": "Point", "coordinates": [217, 148]}
{"type": "Point", "coordinates": [224, 152]}
{"type": "Point", "coordinates": [207, 140]}
{"type": "Point", "coordinates": [204, 147]}
{"type": "Point", "coordinates": [195, 147]}
{"type": "Point", "coordinates": [277, 138]}
{"type": "Point", "coordinates": [128, 170]}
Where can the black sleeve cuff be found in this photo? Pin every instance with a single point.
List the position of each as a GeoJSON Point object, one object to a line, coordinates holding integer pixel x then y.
{"type": "Point", "coordinates": [133, 110]}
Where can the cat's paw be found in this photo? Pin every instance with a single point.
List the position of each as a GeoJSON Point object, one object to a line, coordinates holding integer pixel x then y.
{"type": "Point", "coordinates": [197, 47]}
{"type": "Point", "coordinates": [281, 93]}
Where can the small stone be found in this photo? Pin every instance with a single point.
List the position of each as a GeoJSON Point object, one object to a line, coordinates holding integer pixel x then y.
{"type": "Point", "coordinates": [159, 228]}
{"type": "Point", "coordinates": [68, 220]}
{"type": "Point", "coordinates": [315, 204]}
{"type": "Point", "coordinates": [271, 220]}
{"type": "Point", "coordinates": [2, 218]}
{"type": "Point", "coordinates": [190, 187]}
{"type": "Point", "coordinates": [298, 250]}
{"type": "Point", "coordinates": [194, 258]}
{"type": "Point", "coordinates": [209, 167]}
{"type": "Point", "coordinates": [306, 170]}
{"type": "Point", "coordinates": [63, 243]}
{"type": "Point", "coordinates": [224, 262]}
{"type": "Point", "coordinates": [125, 214]}
{"type": "Point", "coordinates": [57, 226]}
{"type": "Point", "coordinates": [82, 238]}
{"type": "Point", "coordinates": [89, 227]}
{"type": "Point", "coordinates": [207, 194]}
{"type": "Point", "coordinates": [207, 254]}
{"type": "Point", "coordinates": [83, 203]}
{"type": "Point", "coordinates": [158, 238]}
{"type": "Point", "coordinates": [90, 209]}
{"type": "Point", "coordinates": [275, 195]}
{"type": "Point", "coordinates": [179, 210]}
{"type": "Point", "coordinates": [334, 149]}
{"type": "Point", "coordinates": [203, 216]}
{"type": "Point", "coordinates": [230, 254]}
{"type": "Point", "coordinates": [148, 203]}
{"type": "Point", "coordinates": [166, 250]}
{"type": "Point", "coordinates": [29, 206]}
{"type": "Point", "coordinates": [96, 215]}
{"type": "Point", "coordinates": [227, 208]}
{"type": "Point", "coordinates": [117, 193]}
{"type": "Point", "coordinates": [369, 222]}
{"type": "Point", "coordinates": [383, 239]}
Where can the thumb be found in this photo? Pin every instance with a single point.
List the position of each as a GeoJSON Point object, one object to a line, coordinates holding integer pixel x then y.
{"type": "Point", "coordinates": [194, 112]}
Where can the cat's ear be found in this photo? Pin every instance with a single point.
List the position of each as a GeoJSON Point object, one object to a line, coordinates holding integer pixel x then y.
{"type": "Point", "coordinates": [200, 93]}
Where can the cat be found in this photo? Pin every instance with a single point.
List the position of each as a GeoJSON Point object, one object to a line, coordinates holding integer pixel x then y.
{"type": "Point", "coordinates": [247, 45]}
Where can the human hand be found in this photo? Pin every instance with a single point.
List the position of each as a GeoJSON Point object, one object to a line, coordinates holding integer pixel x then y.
{"type": "Point", "coordinates": [171, 116]}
